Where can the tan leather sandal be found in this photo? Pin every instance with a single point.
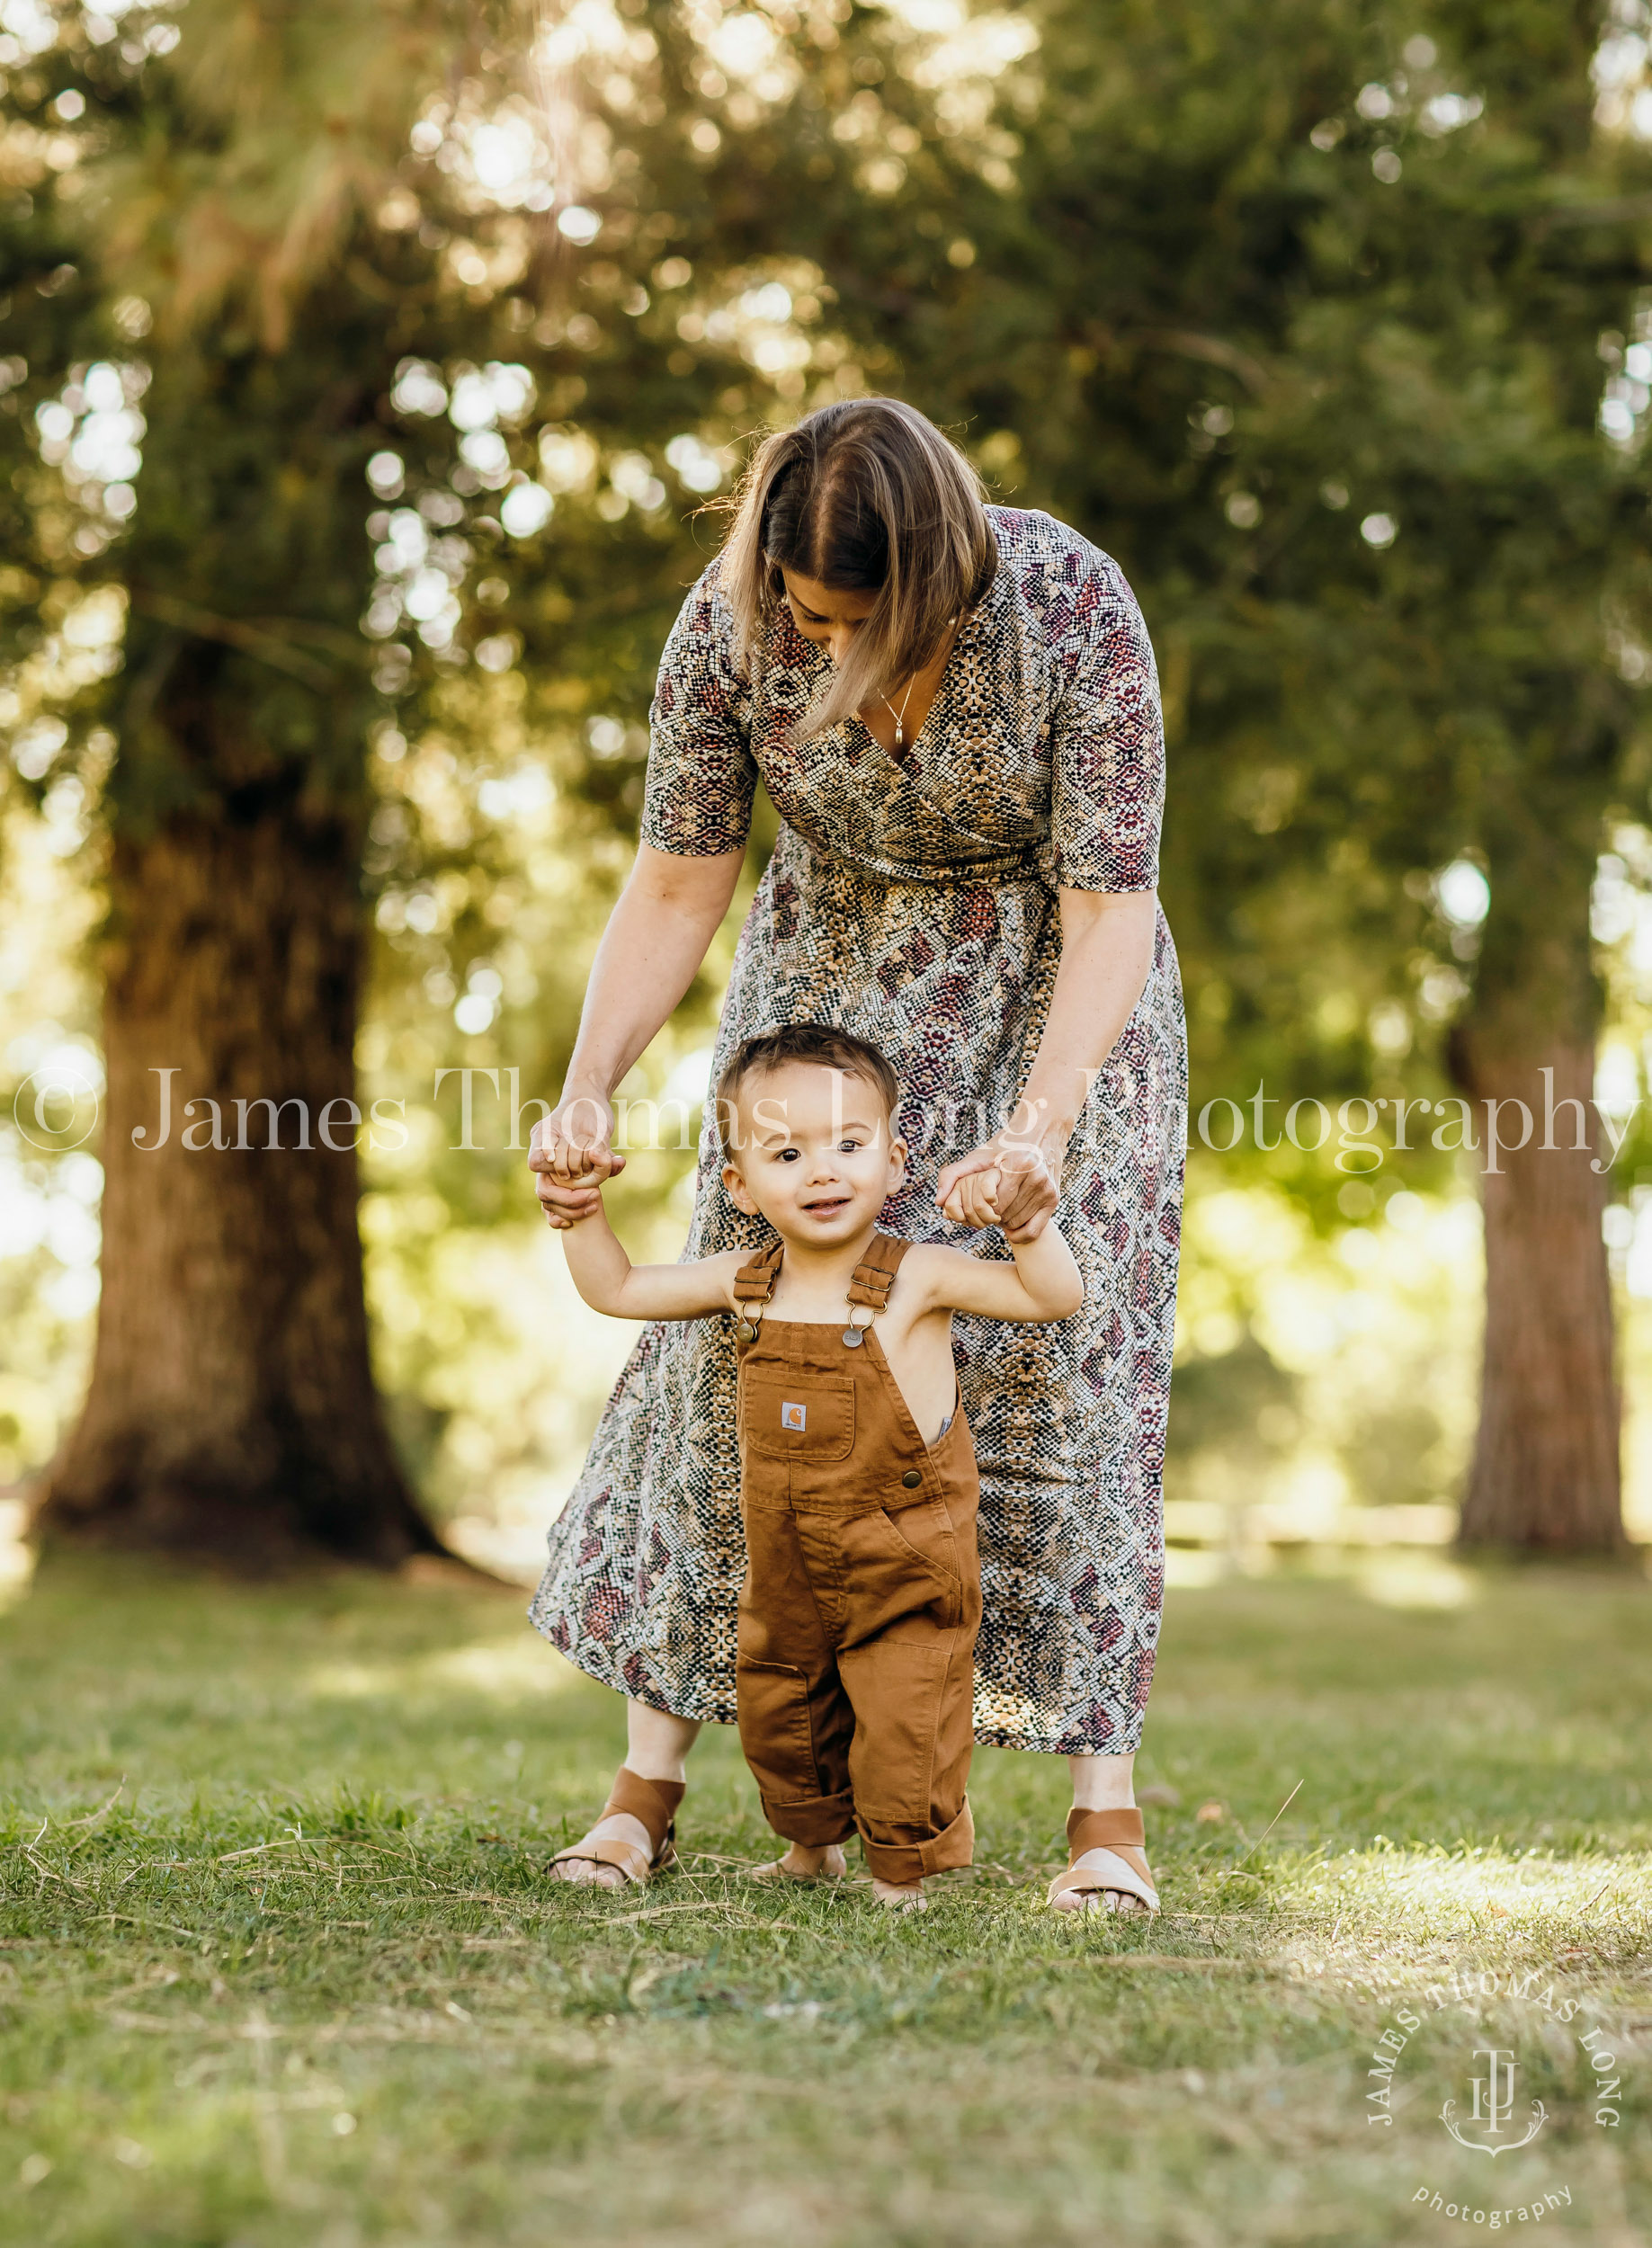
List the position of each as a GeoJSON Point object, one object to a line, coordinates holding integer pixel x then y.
{"type": "Point", "coordinates": [1123, 1870]}
{"type": "Point", "coordinates": [655, 1802]}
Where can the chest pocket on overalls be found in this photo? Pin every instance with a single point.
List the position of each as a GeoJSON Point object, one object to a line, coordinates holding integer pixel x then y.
{"type": "Point", "coordinates": [809, 1418]}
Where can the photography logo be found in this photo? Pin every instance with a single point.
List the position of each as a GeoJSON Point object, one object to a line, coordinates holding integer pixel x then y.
{"type": "Point", "coordinates": [1467, 2032]}
{"type": "Point", "coordinates": [1490, 2126]}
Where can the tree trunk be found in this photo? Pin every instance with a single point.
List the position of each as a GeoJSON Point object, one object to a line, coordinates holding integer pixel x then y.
{"type": "Point", "coordinates": [232, 1412]}
{"type": "Point", "coordinates": [1544, 1476]}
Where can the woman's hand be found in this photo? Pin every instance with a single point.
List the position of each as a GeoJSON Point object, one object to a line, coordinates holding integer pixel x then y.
{"type": "Point", "coordinates": [572, 1152]}
{"type": "Point", "coordinates": [1008, 1181]}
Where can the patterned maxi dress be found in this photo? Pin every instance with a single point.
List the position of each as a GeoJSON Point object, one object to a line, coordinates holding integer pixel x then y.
{"type": "Point", "coordinates": [913, 902]}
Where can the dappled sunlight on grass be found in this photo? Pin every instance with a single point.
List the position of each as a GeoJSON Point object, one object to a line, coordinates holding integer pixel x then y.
{"type": "Point", "coordinates": [1598, 1901]}
{"type": "Point", "coordinates": [518, 1668]}
{"type": "Point", "coordinates": [273, 1858]}
{"type": "Point", "coordinates": [1414, 1580]}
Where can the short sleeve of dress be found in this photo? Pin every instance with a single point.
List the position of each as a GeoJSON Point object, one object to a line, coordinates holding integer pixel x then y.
{"type": "Point", "coordinates": [701, 773]}
{"type": "Point", "coordinates": [1107, 747]}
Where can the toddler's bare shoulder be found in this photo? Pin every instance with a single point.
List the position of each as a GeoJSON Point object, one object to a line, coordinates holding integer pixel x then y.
{"type": "Point", "coordinates": [934, 1269]}
{"type": "Point", "coordinates": [723, 1269]}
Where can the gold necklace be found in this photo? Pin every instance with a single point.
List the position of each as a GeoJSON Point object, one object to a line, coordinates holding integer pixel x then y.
{"type": "Point", "coordinates": [899, 716]}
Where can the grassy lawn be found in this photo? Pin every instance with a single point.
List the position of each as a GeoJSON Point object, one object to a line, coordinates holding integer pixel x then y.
{"type": "Point", "coordinates": [300, 1980]}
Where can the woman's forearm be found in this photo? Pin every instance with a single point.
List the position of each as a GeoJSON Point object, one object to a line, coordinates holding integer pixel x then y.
{"type": "Point", "coordinates": [1106, 954]}
{"type": "Point", "coordinates": [657, 937]}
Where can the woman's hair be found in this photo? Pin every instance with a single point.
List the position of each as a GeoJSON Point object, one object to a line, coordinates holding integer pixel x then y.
{"type": "Point", "coordinates": [821, 1046]}
{"type": "Point", "coordinates": [867, 497]}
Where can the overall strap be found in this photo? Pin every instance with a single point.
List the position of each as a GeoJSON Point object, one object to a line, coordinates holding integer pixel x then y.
{"type": "Point", "coordinates": [754, 1283]}
{"type": "Point", "coordinates": [874, 1276]}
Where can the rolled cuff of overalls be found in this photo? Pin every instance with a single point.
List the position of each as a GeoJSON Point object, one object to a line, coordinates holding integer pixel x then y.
{"type": "Point", "coordinates": [814, 1821]}
{"type": "Point", "coordinates": [904, 1863]}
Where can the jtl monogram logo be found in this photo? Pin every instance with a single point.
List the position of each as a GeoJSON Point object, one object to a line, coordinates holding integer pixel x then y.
{"type": "Point", "coordinates": [1494, 2106]}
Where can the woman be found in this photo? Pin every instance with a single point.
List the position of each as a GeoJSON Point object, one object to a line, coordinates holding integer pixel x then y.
{"type": "Point", "coordinates": [955, 711]}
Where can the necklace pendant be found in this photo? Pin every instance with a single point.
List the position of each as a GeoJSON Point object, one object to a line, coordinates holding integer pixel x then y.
{"type": "Point", "coordinates": [852, 1338]}
{"type": "Point", "coordinates": [900, 735]}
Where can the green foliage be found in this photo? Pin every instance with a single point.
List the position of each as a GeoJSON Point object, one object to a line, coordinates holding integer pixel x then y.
{"type": "Point", "coordinates": [1301, 314]}
{"type": "Point", "coordinates": [278, 1963]}
{"type": "Point", "coordinates": [1161, 289]}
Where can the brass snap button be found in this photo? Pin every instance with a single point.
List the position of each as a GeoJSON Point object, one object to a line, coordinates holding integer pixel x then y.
{"type": "Point", "coordinates": [911, 1479]}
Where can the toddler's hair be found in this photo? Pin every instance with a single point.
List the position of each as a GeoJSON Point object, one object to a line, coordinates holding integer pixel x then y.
{"type": "Point", "coordinates": [815, 1043]}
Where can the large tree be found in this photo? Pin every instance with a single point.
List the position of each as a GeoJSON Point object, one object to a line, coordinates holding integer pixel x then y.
{"type": "Point", "coordinates": [225, 268]}
{"type": "Point", "coordinates": [376, 289]}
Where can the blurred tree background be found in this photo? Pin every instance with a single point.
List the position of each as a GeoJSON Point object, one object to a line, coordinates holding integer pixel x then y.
{"type": "Point", "coordinates": [369, 372]}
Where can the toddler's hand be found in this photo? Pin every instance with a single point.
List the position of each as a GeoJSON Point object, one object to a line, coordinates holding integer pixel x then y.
{"type": "Point", "coordinates": [974, 1199]}
{"type": "Point", "coordinates": [571, 1153]}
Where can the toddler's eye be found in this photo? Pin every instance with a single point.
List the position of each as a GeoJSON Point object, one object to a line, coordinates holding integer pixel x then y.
{"type": "Point", "coordinates": [848, 1147]}
{"type": "Point", "coordinates": [789, 1155]}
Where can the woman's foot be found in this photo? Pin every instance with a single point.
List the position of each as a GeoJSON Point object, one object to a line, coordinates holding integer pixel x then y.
{"type": "Point", "coordinates": [1097, 1899]}
{"type": "Point", "coordinates": [588, 1873]}
{"type": "Point", "coordinates": [1107, 1869]}
{"type": "Point", "coordinates": [631, 1839]}
{"type": "Point", "coordinates": [900, 1896]}
{"type": "Point", "coordinates": [802, 1863]}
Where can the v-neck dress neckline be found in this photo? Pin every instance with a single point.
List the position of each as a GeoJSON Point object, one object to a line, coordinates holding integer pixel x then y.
{"type": "Point", "coordinates": [904, 759]}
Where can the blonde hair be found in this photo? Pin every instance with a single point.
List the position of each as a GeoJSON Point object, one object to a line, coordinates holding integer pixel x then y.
{"type": "Point", "coordinates": [865, 497]}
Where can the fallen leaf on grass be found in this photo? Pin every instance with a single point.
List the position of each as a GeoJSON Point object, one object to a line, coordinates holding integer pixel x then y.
{"type": "Point", "coordinates": [1210, 1814]}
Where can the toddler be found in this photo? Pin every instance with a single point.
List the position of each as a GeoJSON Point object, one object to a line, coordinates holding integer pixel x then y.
{"type": "Point", "coordinates": [855, 1667]}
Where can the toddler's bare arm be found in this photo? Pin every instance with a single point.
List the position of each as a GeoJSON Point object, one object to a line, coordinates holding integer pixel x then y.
{"type": "Point", "coordinates": [1043, 1283]}
{"type": "Point", "coordinates": [609, 1281]}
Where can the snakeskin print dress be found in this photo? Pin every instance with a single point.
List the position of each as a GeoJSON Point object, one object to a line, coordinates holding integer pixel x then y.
{"type": "Point", "coordinates": [913, 902]}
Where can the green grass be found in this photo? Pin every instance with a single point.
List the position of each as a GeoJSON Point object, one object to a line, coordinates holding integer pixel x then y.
{"type": "Point", "coordinates": [300, 1980]}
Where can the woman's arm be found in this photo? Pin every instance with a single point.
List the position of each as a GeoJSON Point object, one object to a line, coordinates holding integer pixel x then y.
{"type": "Point", "coordinates": [1106, 953]}
{"type": "Point", "coordinates": [1107, 797]}
{"type": "Point", "coordinates": [657, 937]}
{"type": "Point", "coordinates": [609, 1281]}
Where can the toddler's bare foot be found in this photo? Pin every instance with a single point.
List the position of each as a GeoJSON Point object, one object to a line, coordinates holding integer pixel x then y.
{"type": "Point", "coordinates": [900, 1896]}
{"type": "Point", "coordinates": [802, 1863]}
{"type": "Point", "coordinates": [622, 1827]}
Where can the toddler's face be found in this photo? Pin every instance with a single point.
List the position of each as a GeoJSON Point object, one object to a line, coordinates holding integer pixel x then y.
{"type": "Point", "coordinates": [813, 1153]}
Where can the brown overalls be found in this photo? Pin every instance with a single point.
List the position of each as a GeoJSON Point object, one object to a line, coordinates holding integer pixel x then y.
{"type": "Point", "coordinates": [854, 1666]}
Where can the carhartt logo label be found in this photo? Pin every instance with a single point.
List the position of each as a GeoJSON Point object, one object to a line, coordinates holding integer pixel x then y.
{"type": "Point", "coordinates": [794, 1416]}
{"type": "Point", "coordinates": [1491, 2127]}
